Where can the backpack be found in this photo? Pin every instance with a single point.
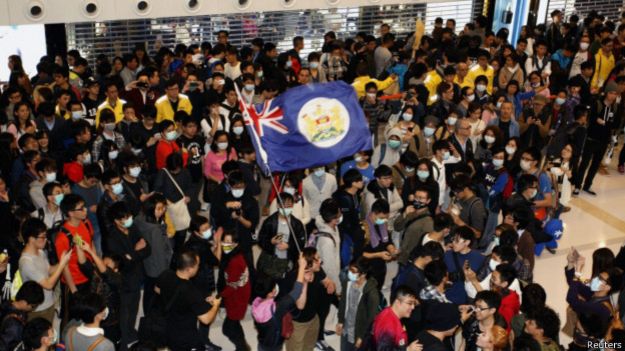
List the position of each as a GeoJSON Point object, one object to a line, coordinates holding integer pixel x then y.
{"type": "Point", "coordinates": [153, 326]}
{"type": "Point", "coordinates": [545, 61]}
{"type": "Point", "coordinates": [51, 234]}
{"type": "Point", "coordinates": [52, 255]}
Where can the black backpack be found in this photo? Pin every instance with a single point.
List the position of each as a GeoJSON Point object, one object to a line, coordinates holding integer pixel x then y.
{"type": "Point", "coordinates": [51, 234]}
{"type": "Point", "coordinates": [153, 326]}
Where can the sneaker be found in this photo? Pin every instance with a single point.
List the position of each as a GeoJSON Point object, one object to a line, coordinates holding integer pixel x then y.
{"type": "Point", "coordinates": [212, 347]}
{"type": "Point", "coordinates": [322, 345]}
{"type": "Point", "coordinates": [329, 332]}
{"type": "Point", "coordinates": [621, 169]}
{"type": "Point", "coordinates": [565, 209]}
{"type": "Point", "coordinates": [575, 192]}
{"type": "Point", "coordinates": [551, 251]}
{"type": "Point", "coordinates": [590, 192]}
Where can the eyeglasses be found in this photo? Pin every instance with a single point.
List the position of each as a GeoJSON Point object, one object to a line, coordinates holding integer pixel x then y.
{"type": "Point", "coordinates": [481, 309]}
{"type": "Point", "coordinates": [527, 159]}
{"type": "Point", "coordinates": [42, 237]}
{"type": "Point", "coordinates": [80, 209]}
{"type": "Point", "coordinates": [409, 302]}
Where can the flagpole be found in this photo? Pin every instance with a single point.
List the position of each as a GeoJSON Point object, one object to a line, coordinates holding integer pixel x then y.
{"type": "Point", "coordinates": [266, 166]}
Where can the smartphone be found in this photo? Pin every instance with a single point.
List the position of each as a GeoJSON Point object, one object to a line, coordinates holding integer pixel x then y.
{"type": "Point", "coordinates": [279, 237]}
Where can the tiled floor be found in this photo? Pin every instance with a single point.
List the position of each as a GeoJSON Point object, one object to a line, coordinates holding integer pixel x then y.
{"type": "Point", "coordinates": [593, 222]}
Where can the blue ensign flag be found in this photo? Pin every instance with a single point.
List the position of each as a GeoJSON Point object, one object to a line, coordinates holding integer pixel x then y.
{"type": "Point", "coordinates": [307, 126]}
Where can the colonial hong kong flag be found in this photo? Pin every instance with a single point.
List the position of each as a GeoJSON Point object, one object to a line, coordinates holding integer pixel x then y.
{"type": "Point", "coordinates": [307, 126]}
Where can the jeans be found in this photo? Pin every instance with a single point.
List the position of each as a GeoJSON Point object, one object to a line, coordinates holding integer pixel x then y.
{"type": "Point", "coordinates": [129, 306]}
{"type": "Point", "coordinates": [233, 330]}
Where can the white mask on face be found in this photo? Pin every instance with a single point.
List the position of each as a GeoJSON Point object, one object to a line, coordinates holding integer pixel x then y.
{"type": "Point", "coordinates": [371, 95]}
{"type": "Point", "coordinates": [492, 264]}
{"type": "Point", "coordinates": [525, 165]}
{"type": "Point", "coordinates": [113, 154]}
{"type": "Point", "coordinates": [50, 177]}
{"type": "Point", "coordinates": [584, 46]}
{"type": "Point", "coordinates": [106, 314]}
{"type": "Point", "coordinates": [289, 190]}
{"type": "Point", "coordinates": [489, 139]}
{"type": "Point", "coordinates": [510, 150]}
{"type": "Point", "coordinates": [135, 171]}
{"type": "Point", "coordinates": [222, 146]}
{"type": "Point", "coordinates": [452, 121]}
{"type": "Point", "coordinates": [470, 98]}
{"type": "Point", "coordinates": [428, 131]}
{"type": "Point", "coordinates": [237, 130]}
{"type": "Point", "coordinates": [237, 193]}
{"type": "Point", "coordinates": [497, 163]}
{"type": "Point", "coordinates": [76, 115]}
{"type": "Point", "coordinates": [481, 88]}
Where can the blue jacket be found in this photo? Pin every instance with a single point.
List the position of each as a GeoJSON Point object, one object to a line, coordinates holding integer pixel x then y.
{"type": "Point", "coordinates": [514, 127]}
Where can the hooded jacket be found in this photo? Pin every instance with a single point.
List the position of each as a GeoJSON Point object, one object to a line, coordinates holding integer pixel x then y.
{"type": "Point", "coordinates": [330, 251]}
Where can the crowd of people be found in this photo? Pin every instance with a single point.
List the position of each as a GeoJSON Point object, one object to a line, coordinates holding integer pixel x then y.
{"type": "Point", "coordinates": [134, 182]}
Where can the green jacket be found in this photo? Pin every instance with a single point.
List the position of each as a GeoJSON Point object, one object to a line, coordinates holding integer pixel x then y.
{"type": "Point", "coordinates": [367, 307]}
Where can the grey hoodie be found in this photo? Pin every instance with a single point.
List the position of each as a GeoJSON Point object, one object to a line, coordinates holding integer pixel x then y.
{"type": "Point", "coordinates": [156, 236]}
{"type": "Point", "coordinates": [330, 251]}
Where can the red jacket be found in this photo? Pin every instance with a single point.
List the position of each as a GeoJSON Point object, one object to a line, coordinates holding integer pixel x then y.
{"type": "Point", "coordinates": [510, 306]}
{"type": "Point", "coordinates": [73, 171]}
{"type": "Point", "coordinates": [163, 149]}
{"type": "Point", "coordinates": [238, 290]}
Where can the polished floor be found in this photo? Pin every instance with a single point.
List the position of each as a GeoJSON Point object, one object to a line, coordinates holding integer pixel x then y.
{"type": "Point", "coordinates": [593, 222]}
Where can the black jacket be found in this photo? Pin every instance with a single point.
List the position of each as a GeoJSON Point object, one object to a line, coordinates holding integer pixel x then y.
{"type": "Point", "coordinates": [269, 229]}
{"type": "Point", "coordinates": [223, 216]}
{"type": "Point", "coordinates": [11, 327]}
{"type": "Point", "coordinates": [123, 245]}
{"type": "Point", "coordinates": [204, 280]}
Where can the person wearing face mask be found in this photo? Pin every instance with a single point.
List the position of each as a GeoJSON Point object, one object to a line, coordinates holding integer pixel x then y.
{"type": "Point", "coordinates": [39, 335]}
{"type": "Point", "coordinates": [248, 93]}
{"type": "Point", "coordinates": [135, 185]}
{"type": "Point", "coordinates": [239, 210]}
{"type": "Point", "coordinates": [239, 137]}
{"type": "Point", "coordinates": [113, 192]}
{"type": "Point", "coordinates": [89, 334]}
{"type": "Point", "coordinates": [50, 213]}
{"type": "Point", "coordinates": [447, 128]}
{"type": "Point", "coordinates": [582, 55]}
{"type": "Point", "coordinates": [544, 197]}
{"type": "Point", "coordinates": [374, 109]}
{"type": "Point", "coordinates": [593, 298]}
{"type": "Point", "coordinates": [194, 143]}
{"type": "Point", "coordinates": [126, 241]}
{"type": "Point", "coordinates": [316, 187]}
{"type": "Point", "coordinates": [361, 164]}
{"type": "Point", "coordinates": [46, 173]}
{"type": "Point", "coordinates": [220, 152]}
{"type": "Point", "coordinates": [404, 120]}
{"type": "Point", "coordinates": [444, 105]}
{"type": "Point", "coordinates": [481, 94]}
{"type": "Point", "coordinates": [499, 184]}
{"type": "Point", "coordinates": [235, 288]}
{"type": "Point", "coordinates": [383, 188]}
{"type": "Point", "coordinates": [404, 171]}
{"type": "Point", "coordinates": [359, 307]}
{"type": "Point", "coordinates": [440, 158]}
{"type": "Point", "coordinates": [424, 138]}
{"type": "Point", "coordinates": [380, 249]}
{"type": "Point", "coordinates": [107, 132]}
{"type": "Point", "coordinates": [349, 200]}
{"type": "Point", "coordinates": [108, 156]}
{"type": "Point", "coordinates": [467, 96]}
{"type": "Point", "coordinates": [414, 222]}
{"type": "Point", "coordinates": [280, 249]}
{"type": "Point", "coordinates": [388, 153]}
{"type": "Point", "coordinates": [491, 139]}
{"type": "Point", "coordinates": [167, 144]}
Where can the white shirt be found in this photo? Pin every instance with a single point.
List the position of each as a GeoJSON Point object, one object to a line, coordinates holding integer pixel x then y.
{"type": "Point", "coordinates": [232, 72]}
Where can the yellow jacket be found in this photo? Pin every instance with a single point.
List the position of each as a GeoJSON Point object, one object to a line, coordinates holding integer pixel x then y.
{"type": "Point", "coordinates": [431, 82]}
{"type": "Point", "coordinates": [603, 67]}
{"type": "Point", "coordinates": [465, 82]}
{"type": "Point", "coordinates": [118, 110]}
{"type": "Point", "coordinates": [477, 71]}
{"type": "Point", "coordinates": [360, 83]}
{"type": "Point", "coordinates": [165, 111]}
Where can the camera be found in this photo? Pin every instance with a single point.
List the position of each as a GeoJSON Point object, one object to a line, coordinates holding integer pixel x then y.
{"type": "Point", "coordinates": [143, 85]}
{"type": "Point", "coordinates": [193, 84]}
{"type": "Point", "coordinates": [238, 211]}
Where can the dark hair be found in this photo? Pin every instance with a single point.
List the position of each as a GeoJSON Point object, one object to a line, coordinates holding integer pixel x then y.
{"type": "Point", "coordinates": [461, 182]}
{"type": "Point", "coordinates": [380, 206]}
{"type": "Point", "coordinates": [235, 177]}
{"type": "Point", "coordinates": [196, 222]}
{"type": "Point", "coordinates": [264, 285]}
{"type": "Point", "coordinates": [329, 209]}
{"type": "Point", "coordinates": [491, 298]}
{"type": "Point", "coordinates": [508, 237]}
{"type": "Point", "coordinates": [108, 176]}
{"type": "Point", "coordinates": [431, 249]}
{"type": "Point", "coordinates": [534, 297]}
{"type": "Point", "coordinates": [33, 331]}
{"type": "Point", "coordinates": [89, 305]}
{"type": "Point", "coordinates": [174, 161]}
{"type": "Point", "coordinates": [464, 233]}
{"type": "Point", "coordinates": [547, 320]}
{"type": "Point", "coordinates": [21, 142]}
{"type": "Point", "coordinates": [32, 228]}
{"type": "Point", "coordinates": [350, 177]}
{"type": "Point", "coordinates": [118, 210]}
{"type": "Point", "coordinates": [442, 221]}
{"type": "Point", "coordinates": [362, 264]}
{"type": "Point", "coordinates": [217, 135]}
{"type": "Point", "coordinates": [92, 170]}
{"type": "Point", "coordinates": [186, 258]}
{"type": "Point", "coordinates": [69, 203]}
{"type": "Point", "coordinates": [435, 272]}
{"type": "Point", "coordinates": [507, 272]}
{"type": "Point", "coordinates": [48, 188]}
{"type": "Point", "coordinates": [534, 152]}
{"type": "Point", "coordinates": [45, 164]}
{"type": "Point", "coordinates": [525, 181]}
{"type": "Point", "coordinates": [506, 253]}
{"type": "Point", "coordinates": [405, 291]}
{"type": "Point", "coordinates": [164, 124]}
{"type": "Point", "coordinates": [31, 292]}
{"type": "Point", "coordinates": [149, 206]}
{"type": "Point", "coordinates": [440, 145]}
{"type": "Point", "coordinates": [383, 171]}
{"type": "Point", "coordinates": [602, 259]}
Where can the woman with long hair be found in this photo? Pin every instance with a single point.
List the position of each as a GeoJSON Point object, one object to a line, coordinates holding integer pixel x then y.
{"type": "Point", "coordinates": [22, 121]}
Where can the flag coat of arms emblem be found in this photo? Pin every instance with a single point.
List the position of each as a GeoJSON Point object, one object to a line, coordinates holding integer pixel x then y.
{"type": "Point", "coordinates": [307, 126]}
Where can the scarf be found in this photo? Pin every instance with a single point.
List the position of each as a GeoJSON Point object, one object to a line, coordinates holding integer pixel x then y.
{"type": "Point", "coordinates": [262, 310]}
{"type": "Point", "coordinates": [377, 233]}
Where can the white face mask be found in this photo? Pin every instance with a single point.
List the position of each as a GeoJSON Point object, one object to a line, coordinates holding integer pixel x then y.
{"type": "Point", "coordinates": [510, 150]}
{"type": "Point", "coordinates": [207, 233]}
{"type": "Point", "coordinates": [237, 130]}
{"type": "Point", "coordinates": [470, 98]}
{"type": "Point", "coordinates": [526, 165]}
{"type": "Point", "coordinates": [371, 95]}
{"type": "Point", "coordinates": [237, 193]}
{"type": "Point", "coordinates": [113, 154]}
{"type": "Point", "coordinates": [135, 171]}
{"type": "Point", "coordinates": [222, 146]}
{"type": "Point", "coordinates": [407, 117]}
{"type": "Point", "coordinates": [584, 46]}
{"type": "Point", "coordinates": [428, 131]}
{"type": "Point", "coordinates": [106, 313]}
{"type": "Point", "coordinates": [319, 172]}
{"type": "Point", "coordinates": [50, 177]}
{"type": "Point", "coordinates": [481, 88]}
{"type": "Point", "coordinates": [289, 190]}
{"type": "Point", "coordinates": [452, 121]}
{"type": "Point", "coordinates": [86, 159]}
{"type": "Point", "coordinates": [76, 115]}
{"type": "Point", "coordinates": [497, 163]}
{"type": "Point", "coordinates": [492, 264]}
{"type": "Point", "coordinates": [489, 139]}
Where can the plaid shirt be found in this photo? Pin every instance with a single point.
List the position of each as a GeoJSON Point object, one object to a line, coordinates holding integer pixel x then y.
{"type": "Point", "coordinates": [431, 293]}
{"type": "Point", "coordinates": [374, 112]}
{"type": "Point", "coordinates": [97, 144]}
{"type": "Point", "coordinates": [335, 68]}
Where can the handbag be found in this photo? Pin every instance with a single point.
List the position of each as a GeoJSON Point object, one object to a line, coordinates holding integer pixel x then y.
{"type": "Point", "coordinates": [178, 211]}
{"type": "Point", "coordinates": [287, 325]}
